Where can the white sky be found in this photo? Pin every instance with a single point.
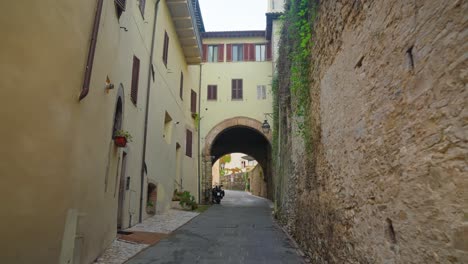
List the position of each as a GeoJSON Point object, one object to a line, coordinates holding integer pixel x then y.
{"type": "Point", "coordinates": [228, 15]}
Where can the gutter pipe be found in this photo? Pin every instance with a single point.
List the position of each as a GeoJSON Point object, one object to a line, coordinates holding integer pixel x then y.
{"type": "Point", "coordinates": [143, 161]}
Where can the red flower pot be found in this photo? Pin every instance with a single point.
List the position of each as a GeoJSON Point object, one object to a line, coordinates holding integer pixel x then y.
{"type": "Point", "coordinates": [120, 141]}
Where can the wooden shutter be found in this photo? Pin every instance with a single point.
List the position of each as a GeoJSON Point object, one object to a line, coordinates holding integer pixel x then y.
{"type": "Point", "coordinates": [193, 101]}
{"type": "Point", "coordinates": [233, 89]}
{"type": "Point", "coordinates": [259, 92]}
{"type": "Point", "coordinates": [181, 91]}
{"type": "Point", "coordinates": [228, 52]}
{"type": "Point", "coordinates": [245, 48]}
{"type": "Point", "coordinates": [268, 51]}
{"type": "Point", "coordinates": [236, 89]}
{"type": "Point", "coordinates": [188, 143]}
{"type": "Point", "coordinates": [142, 7]}
{"type": "Point", "coordinates": [165, 48]}
{"type": "Point", "coordinates": [221, 53]}
{"type": "Point", "coordinates": [239, 89]}
{"type": "Point", "coordinates": [205, 53]}
{"type": "Point", "coordinates": [135, 77]}
{"type": "Point", "coordinates": [251, 52]}
{"type": "Point", "coordinates": [121, 4]}
{"type": "Point", "coordinates": [212, 92]}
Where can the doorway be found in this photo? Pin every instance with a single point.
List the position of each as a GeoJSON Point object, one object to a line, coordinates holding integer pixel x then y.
{"type": "Point", "coordinates": [122, 188]}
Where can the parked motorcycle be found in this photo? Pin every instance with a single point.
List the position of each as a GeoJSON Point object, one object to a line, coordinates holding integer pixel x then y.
{"type": "Point", "coordinates": [217, 194]}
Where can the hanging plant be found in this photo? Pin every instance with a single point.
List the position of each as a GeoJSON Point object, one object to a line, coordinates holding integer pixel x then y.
{"type": "Point", "coordinates": [121, 138]}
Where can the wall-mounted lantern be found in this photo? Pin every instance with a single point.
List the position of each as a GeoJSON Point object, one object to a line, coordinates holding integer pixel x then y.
{"type": "Point", "coordinates": [266, 127]}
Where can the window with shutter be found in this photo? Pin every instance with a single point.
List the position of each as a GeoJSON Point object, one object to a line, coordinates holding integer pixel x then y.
{"type": "Point", "coordinates": [188, 143]}
{"type": "Point", "coordinates": [193, 102]}
{"type": "Point", "coordinates": [181, 91]}
{"type": "Point", "coordinates": [121, 3]}
{"type": "Point", "coordinates": [236, 89]}
{"type": "Point", "coordinates": [261, 92]}
{"type": "Point", "coordinates": [135, 77]}
{"type": "Point", "coordinates": [213, 53]}
{"type": "Point", "coordinates": [142, 7]}
{"type": "Point", "coordinates": [237, 52]}
{"type": "Point", "coordinates": [212, 92]}
{"type": "Point", "coordinates": [260, 52]}
{"type": "Point", "coordinates": [165, 48]}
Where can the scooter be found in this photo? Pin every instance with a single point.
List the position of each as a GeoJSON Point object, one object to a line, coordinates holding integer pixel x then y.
{"type": "Point", "coordinates": [217, 193]}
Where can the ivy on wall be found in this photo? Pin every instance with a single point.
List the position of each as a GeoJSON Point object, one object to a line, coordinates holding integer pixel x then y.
{"type": "Point", "coordinates": [294, 67]}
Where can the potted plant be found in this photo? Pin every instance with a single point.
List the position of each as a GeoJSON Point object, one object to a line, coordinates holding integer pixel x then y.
{"type": "Point", "coordinates": [121, 138]}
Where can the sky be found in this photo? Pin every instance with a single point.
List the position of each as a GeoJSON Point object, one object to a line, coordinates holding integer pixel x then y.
{"type": "Point", "coordinates": [228, 15]}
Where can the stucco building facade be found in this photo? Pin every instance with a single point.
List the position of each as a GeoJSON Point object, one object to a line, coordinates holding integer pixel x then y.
{"type": "Point", "coordinates": [70, 77]}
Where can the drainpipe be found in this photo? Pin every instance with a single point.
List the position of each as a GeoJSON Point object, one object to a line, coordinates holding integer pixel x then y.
{"type": "Point", "coordinates": [92, 49]}
{"type": "Point", "coordinates": [143, 161]}
{"type": "Point", "coordinates": [200, 156]}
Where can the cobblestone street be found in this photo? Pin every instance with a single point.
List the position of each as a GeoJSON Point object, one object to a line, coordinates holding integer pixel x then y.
{"type": "Point", "coordinates": [239, 230]}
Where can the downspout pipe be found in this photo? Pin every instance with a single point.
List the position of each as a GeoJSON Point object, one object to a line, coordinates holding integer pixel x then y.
{"type": "Point", "coordinates": [145, 134]}
{"type": "Point", "coordinates": [91, 51]}
{"type": "Point", "coordinates": [200, 156]}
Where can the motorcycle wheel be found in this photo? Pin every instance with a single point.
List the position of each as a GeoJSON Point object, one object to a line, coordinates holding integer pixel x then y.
{"type": "Point", "coordinates": [218, 201]}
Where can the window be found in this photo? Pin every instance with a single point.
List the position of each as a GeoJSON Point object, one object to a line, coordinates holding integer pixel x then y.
{"type": "Point", "coordinates": [260, 52]}
{"type": "Point", "coordinates": [120, 6]}
{"type": "Point", "coordinates": [236, 89]}
{"type": "Point", "coordinates": [135, 77]}
{"type": "Point", "coordinates": [237, 52]}
{"type": "Point", "coordinates": [193, 101]}
{"type": "Point", "coordinates": [165, 48]}
{"type": "Point", "coordinates": [181, 91]}
{"type": "Point", "coordinates": [212, 53]}
{"type": "Point", "coordinates": [261, 92]}
{"type": "Point", "coordinates": [141, 5]}
{"type": "Point", "coordinates": [167, 128]}
{"type": "Point", "coordinates": [212, 92]}
{"type": "Point", "coordinates": [188, 143]}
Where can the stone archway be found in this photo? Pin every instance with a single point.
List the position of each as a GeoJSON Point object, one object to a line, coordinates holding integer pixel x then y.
{"type": "Point", "coordinates": [237, 134]}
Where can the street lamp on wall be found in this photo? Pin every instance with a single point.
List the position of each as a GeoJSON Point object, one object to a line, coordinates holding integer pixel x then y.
{"type": "Point", "coordinates": [266, 127]}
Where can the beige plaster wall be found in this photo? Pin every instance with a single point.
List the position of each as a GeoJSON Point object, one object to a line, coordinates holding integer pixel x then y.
{"type": "Point", "coordinates": [221, 74]}
{"type": "Point", "coordinates": [60, 163]}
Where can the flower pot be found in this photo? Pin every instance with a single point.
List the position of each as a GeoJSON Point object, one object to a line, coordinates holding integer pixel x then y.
{"type": "Point", "coordinates": [120, 141]}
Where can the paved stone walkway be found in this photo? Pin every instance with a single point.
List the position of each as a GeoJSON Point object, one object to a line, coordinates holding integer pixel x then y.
{"type": "Point", "coordinates": [240, 230]}
{"type": "Point", "coordinates": [120, 250]}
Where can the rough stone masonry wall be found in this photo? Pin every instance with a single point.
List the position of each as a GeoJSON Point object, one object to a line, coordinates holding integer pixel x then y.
{"type": "Point", "coordinates": [389, 97]}
{"type": "Point", "coordinates": [258, 185]}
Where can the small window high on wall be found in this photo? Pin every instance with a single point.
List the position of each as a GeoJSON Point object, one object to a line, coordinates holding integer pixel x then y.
{"type": "Point", "coordinates": [236, 86]}
{"type": "Point", "coordinates": [237, 52]}
{"type": "Point", "coordinates": [188, 143]}
{"type": "Point", "coordinates": [165, 48]}
{"type": "Point", "coordinates": [212, 92]}
{"type": "Point", "coordinates": [135, 77]}
{"type": "Point", "coordinates": [260, 52]}
{"type": "Point", "coordinates": [212, 53]}
{"type": "Point", "coordinates": [261, 92]}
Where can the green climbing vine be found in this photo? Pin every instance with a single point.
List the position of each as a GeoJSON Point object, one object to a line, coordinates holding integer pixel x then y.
{"type": "Point", "coordinates": [296, 46]}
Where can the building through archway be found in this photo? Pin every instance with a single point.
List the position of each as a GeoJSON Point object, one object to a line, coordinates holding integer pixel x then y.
{"type": "Point", "coordinates": [239, 134]}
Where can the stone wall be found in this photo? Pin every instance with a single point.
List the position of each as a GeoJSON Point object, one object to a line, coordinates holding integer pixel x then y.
{"type": "Point", "coordinates": [258, 185]}
{"type": "Point", "coordinates": [387, 179]}
{"type": "Point", "coordinates": [233, 181]}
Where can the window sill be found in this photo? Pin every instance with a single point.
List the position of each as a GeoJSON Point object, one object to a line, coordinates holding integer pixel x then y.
{"type": "Point", "coordinates": [237, 99]}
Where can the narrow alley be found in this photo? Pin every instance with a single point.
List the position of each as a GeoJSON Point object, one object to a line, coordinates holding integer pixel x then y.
{"type": "Point", "coordinates": [338, 128]}
{"type": "Point", "coordinates": [239, 230]}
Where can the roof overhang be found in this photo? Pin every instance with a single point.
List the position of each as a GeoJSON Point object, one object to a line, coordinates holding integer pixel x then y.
{"type": "Point", "coordinates": [234, 34]}
{"type": "Point", "coordinates": [187, 29]}
{"type": "Point", "coordinates": [269, 25]}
